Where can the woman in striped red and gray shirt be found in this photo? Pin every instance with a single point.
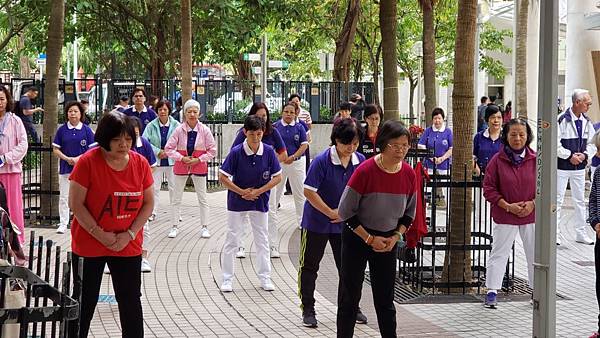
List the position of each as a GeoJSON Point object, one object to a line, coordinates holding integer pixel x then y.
{"type": "Point", "coordinates": [378, 205]}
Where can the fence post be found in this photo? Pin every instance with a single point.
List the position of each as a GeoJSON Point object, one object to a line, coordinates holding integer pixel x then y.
{"type": "Point", "coordinates": [201, 96]}
{"type": "Point", "coordinates": [315, 101]}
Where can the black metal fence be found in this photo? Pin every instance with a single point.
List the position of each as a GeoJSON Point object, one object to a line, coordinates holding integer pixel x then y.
{"type": "Point", "coordinates": [36, 162]}
{"type": "Point", "coordinates": [433, 250]}
{"type": "Point", "coordinates": [220, 100]}
{"type": "Point", "coordinates": [47, 310]}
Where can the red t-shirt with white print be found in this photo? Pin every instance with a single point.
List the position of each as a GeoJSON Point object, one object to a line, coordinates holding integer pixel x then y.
{"type": "Point", "coordinates": [114, 199]}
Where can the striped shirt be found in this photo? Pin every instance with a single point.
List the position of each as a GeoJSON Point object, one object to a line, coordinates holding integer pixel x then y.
{"type": "Point", "coordinates": [594, 207]}
{"type": "Point", "coordinates": [380, 201]}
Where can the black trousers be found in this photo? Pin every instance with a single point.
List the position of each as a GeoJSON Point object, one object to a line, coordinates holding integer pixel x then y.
{"type": "Point", "coordinates": [30, 129]}
{"type": "Point", "coordinates": [312, 248]}
{"type": "Point", "coordinates": [382, 267]}
{"type": "Point", "coordinates": [597, 260]}
{"type": "Point", "coordinates": [126, 277]}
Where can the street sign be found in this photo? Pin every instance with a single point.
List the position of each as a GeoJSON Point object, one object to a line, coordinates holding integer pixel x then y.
{"type": "Point", "coordinates": [203, 73]}
{"type": "Point", "coordinates": [279, 64]}
{"type": "Point", "coordinates": [251, 57]}
{"type": "Point", "coordinates": [40, 62]}
{"type": "Point", "coordinates": [325, 61]}
{"type": "Point", "coordinates": [257, 70]}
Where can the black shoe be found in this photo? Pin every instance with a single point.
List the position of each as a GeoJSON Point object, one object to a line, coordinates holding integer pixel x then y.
{"type": "Point", "coordinates": [287, 193]}
{"type": "Point", "coordinates": [309, 318]}
{"type": "Point", "coordinates": [360, 317]}
{"type": "Point", "coordinates": [410, 256]}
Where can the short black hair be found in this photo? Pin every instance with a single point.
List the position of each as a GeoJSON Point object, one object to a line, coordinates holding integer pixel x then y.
{"type": "Point", "coordinates": [138, 89]}
{"type": "Point", "coordinates": [113, 124]}
{"type": "Point", "coordinates": [124, 98]}
{"type": "Point", "coordinates": [492, 98]}
{"type": "Point", "coordinates": [84, 101]}
{"type": "Point", "coordinates": [293, 96]}
{"type": "Point", "coordinates": [136, 122]}
{"type": "Point", "coordinates": [165, 103]}
{"type": "Point", "coordinates": [254, 123]}
{"type": "Point", "coordinates": [371, 109]}
{"type": "Point", "coordinates": [484, 99]}
{"type": "Point", "coordinates": [491, 110]}
{"type": "Point", "coordinates": [32, 89]}
{"type": "Point", "coordinates": [391, 129]}
{"type": "Point", "coordinates": [71, 104]}
{"type": "Point", "coordinates": [345, 131]}
{"type": "Point", "coordinates": [516, 121]}
{"type": "Point", "coordinates": [256, 106]}
{"type": "Point", "coordinates": [438, 111]}
{"type": "Point", "coordinates": [345, 106]}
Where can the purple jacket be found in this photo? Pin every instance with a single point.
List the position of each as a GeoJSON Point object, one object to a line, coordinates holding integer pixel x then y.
{"type": "Point", "coordinates": [513, 183]}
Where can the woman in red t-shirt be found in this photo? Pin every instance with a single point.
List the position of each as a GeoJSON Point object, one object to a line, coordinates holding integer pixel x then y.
{"type": "Point", "coordinates": [111, 197]}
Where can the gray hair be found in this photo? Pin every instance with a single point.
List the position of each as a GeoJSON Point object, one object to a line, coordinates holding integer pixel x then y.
{"type": "Point", "coordinates": [578, 94]}
{"type": "Point", "coordinates": [596, 139]}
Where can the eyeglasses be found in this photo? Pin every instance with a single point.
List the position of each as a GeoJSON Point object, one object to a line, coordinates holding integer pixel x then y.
{"type": "Point", "coordinates": [397, 147]}
{"type": "Point", "coordinates": [138, 95]}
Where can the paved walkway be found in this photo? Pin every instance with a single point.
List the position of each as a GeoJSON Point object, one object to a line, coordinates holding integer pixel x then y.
{"type": "Point", "coordinates": [181, 296]}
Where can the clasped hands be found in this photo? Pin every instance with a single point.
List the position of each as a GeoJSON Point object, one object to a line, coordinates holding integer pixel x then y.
{"type": "Point", "coordinates": [250, 194]}
{"type": "Point", "coordinates": [577, 158]}
{"type": "Point", "coordinates": [189, 160]}
{"type": "Point", "coordinates": [114, 241]}
{"type": "Point", "coordinates": [520, 209]}
{"type": "Point", "coordinates": [384, 244]}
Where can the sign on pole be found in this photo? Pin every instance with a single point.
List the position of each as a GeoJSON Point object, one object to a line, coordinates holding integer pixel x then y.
{"type": "Point", "coordinates": [251, 57]}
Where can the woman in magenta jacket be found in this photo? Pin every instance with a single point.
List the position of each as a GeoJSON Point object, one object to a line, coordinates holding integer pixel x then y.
{"type": "Point", "coordinates": [192, 145]}
{"type": "Point", "coordinates": [509, 187]}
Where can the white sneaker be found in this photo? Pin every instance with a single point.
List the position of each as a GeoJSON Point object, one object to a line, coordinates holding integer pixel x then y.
{"type": "Point", "coordinates": [152, 218]}
{"type": "Point", "coordinates": [583, 239]}
{"type": "Point", "coordinates": [267, 285]}
{"type": "Point", "coordinates": [106, 269]}
{"type": "Point", "coordinates": [173, 232]}
{"type": "Point", "coordinates": [204, 233]}
{"type": "Point", "coordinates": [61, 229]}
{"type": "Point", "coordinates": [146, 265]}
{"type": "Point", "coordinates": [275, 252]}
{"type": "Point", "coordinates": [226, 286]}
{"type": "Point", "coordinates": [241, 253]}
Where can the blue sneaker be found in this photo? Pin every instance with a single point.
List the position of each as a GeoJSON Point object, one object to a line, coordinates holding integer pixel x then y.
{"type": "Point", "coordinates": [490, 300]}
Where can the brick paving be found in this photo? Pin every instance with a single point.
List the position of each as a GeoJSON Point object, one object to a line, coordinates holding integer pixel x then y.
{"type": "Point", "coordinates": [181, 296]}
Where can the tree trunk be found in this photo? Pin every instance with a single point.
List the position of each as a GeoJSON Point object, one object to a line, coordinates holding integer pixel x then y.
{"type": "Point", "coordinates": [387, 22]}
{"type": "Point", "coordinates": [411, 99]}
{"type": "Point", "coordinates": [244, 76]}
{"type": "Point", "coordinates": [457, 262]}
{"type": "Point", "coordinates": [345, 42]}
{"type": "Point", "coordinates": [186, 50]}
{"type": "Point", "coordinates": [520, 106]}
{"type": "Point", "coordinates": [24, 68]}
{"type": "Point", "coordinates": [49, 206]}
{"type": "Point", "coordinates": [157, 71]}
{"type": "Point", "coordinates": [428, 7]}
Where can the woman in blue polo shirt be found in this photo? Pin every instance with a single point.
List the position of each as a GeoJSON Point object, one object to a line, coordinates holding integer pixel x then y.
{"type": "Point", "coordinates": [293, 168]}
{"type": "Point", "coordinates": [249, 172]}
{"type": "Point", "coordinates": [487, 143]}
{"type": "Point", "coordinates": [271, 137]}
{"type": "Point", "coordinates": [325, 182]}
{"type": "Point", "coordinates": [72, 139]}
{"type": "Point", "coordinates": [438, 138]}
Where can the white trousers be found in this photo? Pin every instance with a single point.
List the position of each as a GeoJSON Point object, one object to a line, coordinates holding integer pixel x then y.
{"type": "Point", "coordinates": [158, 174]}
{"type": "Point", "coordinates": [235, 223]}
{"type": "Point", "coordinates": [273, 233]}
{"type": "Point", "coordinates": [295, 173]}
{"type": "Point", "coordinates": [576, 178]}
{"type": "Point", "coordinates": [63, 202]}
{"type": "Point", "coordinates": [178, 187]}
{"type": "Point", "coordinates": [504, 237]}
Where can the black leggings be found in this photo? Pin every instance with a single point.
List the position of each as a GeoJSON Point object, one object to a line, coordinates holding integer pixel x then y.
{"type": "Point", "coordinates": [597, 260]}
{"type": "Point", "coordinates": [126, 277]}
{"type": "Point", "coordinates": [382, 267]}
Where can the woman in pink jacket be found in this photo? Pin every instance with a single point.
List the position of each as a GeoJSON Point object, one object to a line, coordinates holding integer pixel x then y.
{"type": "Point", "coordinates": [13, 148]}
{"type": "Point", "coordinates": [192, 145]}
{"type": "Point", "coordinates": [509, 187]}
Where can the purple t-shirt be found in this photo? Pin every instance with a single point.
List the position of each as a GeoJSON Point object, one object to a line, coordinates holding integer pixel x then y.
{"type": "Point", "coordinates": [440, 142]}
{"type": "Point", "coordinates": [146, 151]}
{"type": "Point", "coordinates": [273, 139]}
{"type": "Point", "coordinates": [328, 178]}
{"type": "Point", "coordinates": [484, 148]}
{"type": "Point", "coordinates": [250, 170]}
{"type": "Point", "coordinates": [73, 142]}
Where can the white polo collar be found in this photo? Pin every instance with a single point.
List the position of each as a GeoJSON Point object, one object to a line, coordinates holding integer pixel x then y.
{"type": "Point", "coordinates": [575, 118]}
{"type": "Point", "coordinates": [78, 126]}
{"type": "Point", "coordinates": [163, 125]}
{"type": "Point", "coordinates": [288, 124]}
{"type": "Point", "coordinates": [441, 130]}
{"type": "Point", "coordinates": [250, 152]}
{"type": "Point", "coordinates": [335, 158]}
{"type": "Point", "coordinates": [138, 142]}
{"type": "Point", "coordinates": [187, 127]}
{"type": "Point", "coordinates": [143, 110]}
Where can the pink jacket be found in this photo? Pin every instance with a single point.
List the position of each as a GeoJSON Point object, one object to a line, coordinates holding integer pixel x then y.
{"type": "Point", "coordinates": [13, 145]}
{"type": "Point", "coordinates": [205, 149]}
{"type": "Point", "coordinates": [513, 183]}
